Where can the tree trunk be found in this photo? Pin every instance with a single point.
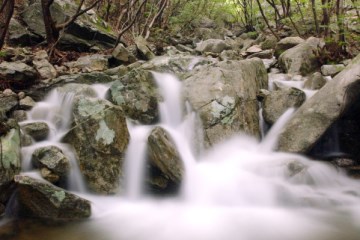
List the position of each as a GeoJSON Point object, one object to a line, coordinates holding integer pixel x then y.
{"type": "Point", "coordinates": [52, 34]}
{"type": "Point", "coordinates": [313, 8]}
{"type": "Point", "coordinates": [340, 23]}
{"type": "Point", "coordinates": [6, 12]}
{"type": "Point", "coordinates": [326, 18]}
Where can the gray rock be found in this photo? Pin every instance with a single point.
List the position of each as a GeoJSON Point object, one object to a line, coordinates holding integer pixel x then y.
{"type": "Point", "coordinates": [224, 94]}
{"type": "Point", "coordinates": [53, 163]}
{"type": "Point", "coordinates": [267, 54]}
{"type": "Point", "coordinates": [10, 160]}
{"type": "Point", "coordinates": [122, 54]}
{"type": "Point", "coordinates": [19, 74]}
{"type": "Point", "coordinates": [27, 103]}
{"type": "Point", "coordinates": [212, 46]}
{"type": "Point", "coordinates": [277, 102]}
{"type": "Point", "coordinates": [137, 95]}
{"type": "Point", "coordinates": [87, 31]}
{"type": "Point", "coordinates": [301, 58]}
{"type": "Point", "coordinates": [100, 138]}
{"type": "Point", "coordinates": [144, 49]}
{"type": "Point", "coordinates": [45, 69]}
{"type": "Point", "coordinates": [315, 116]}
{"type": "Point", "coordinates": [90, 63]}
{"type": "Point", "coordinates": [163, 155]}
{"type": "Point", "coordinates": [177, 64]}
{"type": "Point", "coordinates": [287, 43]}
{"type": "Point", "coordinates": [253, 49]}
{"type": "Point", "coordinates": [8, 102]}
{"type": "Point", "coordinates": [230, 55]}
{"type": "Point", "coordinates": [43, 200]}
{"type": "Point", "coordinates": [315, 81]}
{"type": "Point", "coordinates": [78, 89]}
{"type": "Point", "coordinates": [332, 70]}
{"type": "Point", "coordinates": [269, 43]}
{"type": "Point", "coordinates": [19, 115]}
{"type": "Point", "coordinates": [20, 36]}
{"type": "Point", "coordinates": [37, 130]}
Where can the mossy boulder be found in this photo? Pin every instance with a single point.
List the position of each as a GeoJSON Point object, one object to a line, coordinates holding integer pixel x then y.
{"type": "Point", "coordinates": [42, 200]}
{"type": "Point", "coordinates": [136, 93]}
{"type": "Point", "coordinates": [100, 137]}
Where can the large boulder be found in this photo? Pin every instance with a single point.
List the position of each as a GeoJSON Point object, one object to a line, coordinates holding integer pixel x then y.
{"type": "Point", "coordinates": [212, 46]}
{"type": "Point", "coordinates": [224, 94]}
{"type": "Point", "coordinates": [300, 59]}
{"type": "Point", "coordinates": [100, 137]}
{"type": "Point", "coordinates": [17, 74]}
{"type": "Point", "coordinates": [10, 158]}
{"type": "Point", "coordinates": [42, 200]}
{"type": "Point", "coordinates": [164, 160]}
{"type": "Point", "coordinates": [287, 43]}
{"type": "Point", "coordinates": [137, 95]}
{"type": "Point", "coordinates": [315, 81]}
{"type": "Point", "coordinates": [315, 116]}
{"type": "Point", "coordinates": [277, 102]}
{"type": "Point", "coordinates": [19, 35]}
{"type": "Point", "coordinates": [87, 31]}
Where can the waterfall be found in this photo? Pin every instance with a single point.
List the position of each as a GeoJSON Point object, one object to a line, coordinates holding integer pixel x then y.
{"type": "Point", "coordinates": [239, 189]}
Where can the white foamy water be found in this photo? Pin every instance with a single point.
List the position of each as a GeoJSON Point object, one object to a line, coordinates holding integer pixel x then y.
{"type": "Point", "coordinates": [238, 190]}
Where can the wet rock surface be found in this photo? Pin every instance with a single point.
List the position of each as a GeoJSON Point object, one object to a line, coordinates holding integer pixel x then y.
{"type": "Point", "coordinates": [42, 200]}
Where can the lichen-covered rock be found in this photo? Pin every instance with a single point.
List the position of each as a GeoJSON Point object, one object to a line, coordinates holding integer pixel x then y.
{"type": "Point", "coordinates": [287, 43]}
{"type": "Point", "coordinates": [317, 114]}
{"type": "Point", "coordinates": [10, 157]}
{"type": "Point", "coordinates": [266, 54]}
{"type": "Point", "coordinates": [277, 102]}
{"type": "Point", "coordinates": [10, 161]}
{"type": "Point", "coordinates": [77, 89]}
{"type": "Point", "coordinates": [300, 59]}
{"type": "Point", "coordinates": [52, 159]}
{"type": "Point", "coordinates": [315, 81]}
{"type": "Point", "coordinates": [43, 200]}
{"type": "Point", "coordinates": [37, 130]}
{"type": "Point", "coordinates": [165, 158]}
{"type": "Point", "coordinates": [224, 94]}
{"type": "Point", "coordinates": [137, 95]}
{"type": "Point", "coordinates": [19, 74]}
{"type": "Point", "coordinates": [100, 138]}
{"type": "Point", "coordinates": [332, 70]}
{"type": "Point", "coordinates": [143, 48]}
{"type": "Point", "coordinates": [212, 46]}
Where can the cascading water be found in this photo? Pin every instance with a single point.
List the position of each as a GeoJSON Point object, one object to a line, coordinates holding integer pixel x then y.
{"type": "Point", "coordinates": [238, 190]}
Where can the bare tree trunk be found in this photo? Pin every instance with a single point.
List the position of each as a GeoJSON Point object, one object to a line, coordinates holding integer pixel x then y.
{"type": "Point", "coordinates": [266, 21]}
{"type": "Point", "coordinates": [340, 23]}
{"type": "Point", "coordinates": [313, 8]}
{"type": "Point", "coordinates": [6, 12]}
{"type": "Point", "coordinates": [326, 18]}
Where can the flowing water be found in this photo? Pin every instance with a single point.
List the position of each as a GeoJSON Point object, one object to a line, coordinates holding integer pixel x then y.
{"type": "Point", "coordinates": [240, 189]}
